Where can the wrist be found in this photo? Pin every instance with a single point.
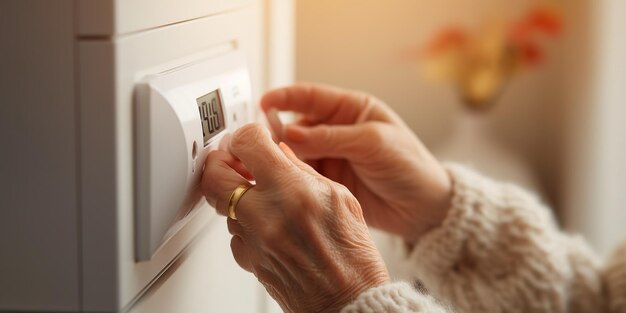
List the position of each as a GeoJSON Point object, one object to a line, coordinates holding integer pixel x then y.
{"type": "Point", "coordinates": [353, 293]}
{"type": "Point", "coordinates": [432, 206]}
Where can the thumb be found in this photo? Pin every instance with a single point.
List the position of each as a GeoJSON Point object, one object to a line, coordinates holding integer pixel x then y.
{"type": "Point", "coordinates": [333, 141]}
{"type": "Point", "coordinates": [253, 145]}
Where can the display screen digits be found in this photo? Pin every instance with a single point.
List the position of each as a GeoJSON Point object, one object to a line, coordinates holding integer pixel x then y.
{"type": "Point", "coordinates": [211, 115]}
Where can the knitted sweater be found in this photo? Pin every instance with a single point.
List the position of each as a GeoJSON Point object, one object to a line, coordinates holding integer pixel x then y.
{"type": "Point", "coordinates": [498, 250]}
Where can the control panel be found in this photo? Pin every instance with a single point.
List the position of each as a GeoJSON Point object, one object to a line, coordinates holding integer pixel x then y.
{"type": "Point", "coordinates": [181, 115]}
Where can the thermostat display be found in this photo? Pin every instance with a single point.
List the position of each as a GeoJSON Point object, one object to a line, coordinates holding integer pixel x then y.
{"type": "Point", "coordinates": [211, 115]}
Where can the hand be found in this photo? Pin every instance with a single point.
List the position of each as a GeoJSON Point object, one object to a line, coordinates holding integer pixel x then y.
{"type": "Point", "coordinates": [301, 234]}
{"type": "Point", "coordinates": [356, 140]}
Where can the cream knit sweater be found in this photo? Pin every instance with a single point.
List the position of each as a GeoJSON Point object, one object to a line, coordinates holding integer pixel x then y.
{"type": "Point", "coordinates": [498, 250]}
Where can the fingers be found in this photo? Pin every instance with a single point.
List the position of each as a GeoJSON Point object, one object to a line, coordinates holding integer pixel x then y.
{"type": "Point", "coordinates": [234, 228]}
{"type": "Point", "coordinates": [219, 179]}
{"type": "Point", "coordinates": [267, 162]}
{"type": "Point", "coordinates": [318, 103]}
{"type": "Point", "coordinates": [335, 141]}
{"type": "Point", "coordinates": [253, 145]}
{"type": "Point", "coordinates": [240, 253]}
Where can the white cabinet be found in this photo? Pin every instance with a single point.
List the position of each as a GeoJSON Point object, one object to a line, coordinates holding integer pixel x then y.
{"type": "Point", "coordinates": [68, 211]}
{"type": "Point", "coordinates": [205, 280]}
{"type": "Point", "coordinates": [108, 17]}
{"type": "Point", "coordinates": [109, 71]}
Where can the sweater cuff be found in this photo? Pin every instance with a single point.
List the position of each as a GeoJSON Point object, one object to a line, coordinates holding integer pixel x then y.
{"type": "Point", "coordinates": [483, 217]}
{"type": "Point", "coordinates": [393, 298]}
{"type": "Point", "coordinates": [615, 280]}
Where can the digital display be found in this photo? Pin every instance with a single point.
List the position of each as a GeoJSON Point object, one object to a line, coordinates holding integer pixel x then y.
{"type": "Point", "coordinates": [211, 115]}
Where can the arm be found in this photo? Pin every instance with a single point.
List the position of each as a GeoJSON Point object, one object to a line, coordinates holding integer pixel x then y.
{"type": "Point", "coordinates": [498, 250]}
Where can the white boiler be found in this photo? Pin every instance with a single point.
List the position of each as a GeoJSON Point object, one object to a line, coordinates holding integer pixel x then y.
{"type": "Point", "coordinates": [109, 108]}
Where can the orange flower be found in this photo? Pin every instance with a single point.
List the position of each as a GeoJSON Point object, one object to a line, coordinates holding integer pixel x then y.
{"type": "Point", "coordinates": [547, 20]}
{"type": "Point", "coordinates": [480, 64]}
{"type": "Point", "coordinates": [449, 38]}
{"type": "Point", "coordinates": [523, 34]}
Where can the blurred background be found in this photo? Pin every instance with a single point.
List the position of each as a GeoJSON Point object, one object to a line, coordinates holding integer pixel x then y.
{"type": "Point", "coordinates": [555, 127]}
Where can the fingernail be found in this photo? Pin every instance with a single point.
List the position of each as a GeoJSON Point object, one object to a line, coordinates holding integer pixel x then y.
{"type": "Point", "coordinates": [286, 149]}
{"type": "Point", "coordinates": [295, 133]}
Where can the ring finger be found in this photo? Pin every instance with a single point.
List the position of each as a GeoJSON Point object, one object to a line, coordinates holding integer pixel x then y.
{"type": "Point", "coordinates": [219, 180]}
{"type": "Point", "coordinates": [240, 253]}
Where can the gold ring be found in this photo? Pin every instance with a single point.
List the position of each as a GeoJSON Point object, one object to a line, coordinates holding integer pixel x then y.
{"type": "Point", "coordinates": [234, 199]}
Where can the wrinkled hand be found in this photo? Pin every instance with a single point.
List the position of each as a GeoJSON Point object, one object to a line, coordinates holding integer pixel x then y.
{"type": "Point", "coordinates": [301, 234]}
{"type": "Point", "coordinates": [356, 140]}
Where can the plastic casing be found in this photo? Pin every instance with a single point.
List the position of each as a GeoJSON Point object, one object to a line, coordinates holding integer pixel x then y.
{"type": "Point", "coordinates": [170, 150]}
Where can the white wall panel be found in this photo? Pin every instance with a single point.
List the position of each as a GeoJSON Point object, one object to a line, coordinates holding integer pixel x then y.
{"type": "Point", "coordinates": [114, 17]}
{"type": "Point", "coordinates": [596, 167]}
{"type": "Point", "coordinates": [109, 70]}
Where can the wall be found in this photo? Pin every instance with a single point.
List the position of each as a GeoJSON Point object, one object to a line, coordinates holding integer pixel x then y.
{"type": "Point", "coordinates": [38, 177]}
{"type": "Point", "coordinates": [358, 44]}
{"type": "Point", "coordinates": [596, 168]}
{"type": "Point", "coordinates": [279, 41]}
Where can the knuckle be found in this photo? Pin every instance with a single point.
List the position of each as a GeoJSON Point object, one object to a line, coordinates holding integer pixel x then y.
{"type": "Point", "coordinates": [308, 205]}
{"type": "Point", "coordinates": [205, 183]}
{"type": "Point", "coordinates": [299, 206]}
{"type": "Point", "coordinates": [211, 170]}
{"type": "Point", "coordinates": [370, 100]}
{"type": "Point", "coordinates": [338, 194]}
{"type": "Point", "coordinates": [238, 250]}
{"type": "Point", "coordinates": [374, 134]}
{"type": "Point", "coordinates": [222, 193]}
{"type": "Point", "coordinates": [220, 206]}
{"type": "Point", "coordinates": [273, 234]}
{"type": "Point", "coordinates": [304, 198]}
{"type": "Point", "coordinates": [363, 99]}
{"type": "Point", "coordinates": [274, 230]}
{"type": "Point", "coordinates": [341, 191]}
{"type": "Point", "coordinates": [217, 191]}
{"type": "Point", "coordinates": [263, 275]}
{"type": "Point", "coordinates": [327, 134]}
{"type": "Point", "coordinates": [342, 197]}
{"type": "Point", "coordinates": [208, 186]}
{"type": "Point", "coordinates": [233, 228]}
{"type": "Point", "coordinates": [207, 190]}
{"type": "Point", "coordinates": [206, 173]}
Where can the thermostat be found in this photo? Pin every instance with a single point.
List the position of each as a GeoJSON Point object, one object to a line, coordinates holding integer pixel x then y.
{"type": "Point", "coordinates": [181, 115]}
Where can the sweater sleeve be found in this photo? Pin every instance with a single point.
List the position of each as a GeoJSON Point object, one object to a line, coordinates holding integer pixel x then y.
{"type": "Point", "coordinates": [394, 298]}
{"type": "Point", "coordinates": [498, 250]}
{"type": "Point", "coordinates": [614, 276]}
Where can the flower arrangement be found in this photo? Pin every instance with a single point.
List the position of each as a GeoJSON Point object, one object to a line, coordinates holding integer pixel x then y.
{"type": "Point", "coordinates": [480, 64]}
